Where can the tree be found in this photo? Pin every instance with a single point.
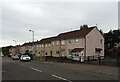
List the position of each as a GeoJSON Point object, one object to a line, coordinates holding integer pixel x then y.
{"type": "Point", "coordinates": [101, 31]}
{"type": "Point", "coordinates": [5, 50]}
{"type": "Point", "coordinates": [111, 38]}
{"type": "Point", "coordinates": [83, 26]}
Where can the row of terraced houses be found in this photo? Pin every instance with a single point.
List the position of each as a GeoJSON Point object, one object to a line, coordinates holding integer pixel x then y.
{"type": "Point", "coordinates": [77, 44]}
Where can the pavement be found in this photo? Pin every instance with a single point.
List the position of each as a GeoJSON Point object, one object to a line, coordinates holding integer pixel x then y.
{"type": "Point", "coordinates": [36, 70]}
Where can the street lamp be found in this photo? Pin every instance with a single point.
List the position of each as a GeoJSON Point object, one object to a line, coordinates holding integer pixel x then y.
{"type": "Point", "coordinates": [15, 42]}
{"type": "Point", "coordinates": [15, 48]}
{"type": "Point", "coordinates": [33, 40]}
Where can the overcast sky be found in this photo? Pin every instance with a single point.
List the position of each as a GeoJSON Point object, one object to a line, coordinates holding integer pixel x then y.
{"type": "Point", "coordinates": [51, 18]}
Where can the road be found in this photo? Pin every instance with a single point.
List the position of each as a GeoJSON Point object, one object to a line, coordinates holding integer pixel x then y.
{"type": "Point", "coordinates": [37, 70]}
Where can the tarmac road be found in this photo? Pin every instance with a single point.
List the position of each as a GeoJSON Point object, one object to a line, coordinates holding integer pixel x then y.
{"type": "Point", "coordinates": [36, 70]}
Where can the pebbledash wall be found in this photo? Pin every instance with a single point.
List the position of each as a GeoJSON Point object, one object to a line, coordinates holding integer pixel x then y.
{"type": "Point", "coordinates": [94, 40]}
{"type": "Point", "coordinates": [90, 40]}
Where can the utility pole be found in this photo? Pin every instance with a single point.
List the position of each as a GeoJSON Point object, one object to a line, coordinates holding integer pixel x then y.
{"type": "Point", "coordinates": [33, 42]}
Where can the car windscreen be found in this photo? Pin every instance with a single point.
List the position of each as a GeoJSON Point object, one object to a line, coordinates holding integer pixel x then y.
{"type": "Point", "coordinates": [15, 56]}
{"type": "Point", "coordinates": [25, 56]}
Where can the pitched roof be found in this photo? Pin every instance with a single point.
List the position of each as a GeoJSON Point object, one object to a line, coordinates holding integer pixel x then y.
{"type": "Point", "coordinates": [75, 34]}
{"type": "Point", "coordinates": [77, 49]}
{"type": "Point", "coordinates": [28, 44]}
{"type": "Point", "coordinates": [67, 35]}
{"type": "Point", "coordinates": [47, 40]}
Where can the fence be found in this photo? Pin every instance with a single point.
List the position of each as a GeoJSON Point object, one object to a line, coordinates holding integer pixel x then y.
{"type": "Point", "coordinates": [96, 60]}
{"type": "Point", "coordinates": [106, 61]}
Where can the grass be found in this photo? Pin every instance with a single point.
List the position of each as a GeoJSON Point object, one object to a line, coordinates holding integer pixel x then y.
{"type": "Point", "coordinates": [40, 59]}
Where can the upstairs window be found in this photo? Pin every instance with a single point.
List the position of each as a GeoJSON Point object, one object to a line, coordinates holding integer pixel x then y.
{"type": "Point", "coordinates": [45, 45]}
{"type": "Point", "coordinates": [49, 45]}
{"type": "Point", "coordinates": [52, 42]}
{"type": "Point", "coordinates": [42, 45]}
{"type": "Point", "coordinates": [76, 41]}
{"type": "Point", "coordinates": [70, 41]}
{"type": "Point", "coordinates": [101, 41]}
{"type": "Point", "coordinates": [62, 41]}
{"type": "Point", "coordinates": [57, 42]}
{"type": "Point", "coordinates": [39, 45]}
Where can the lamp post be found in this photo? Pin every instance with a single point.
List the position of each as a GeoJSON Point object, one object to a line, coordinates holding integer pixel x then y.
{"type": "Point", "coordinates": [15, 42]}
{"type": "Point", "coordinates": [15, 51]}
{"type": "Point", "coordinates": [33, 41]}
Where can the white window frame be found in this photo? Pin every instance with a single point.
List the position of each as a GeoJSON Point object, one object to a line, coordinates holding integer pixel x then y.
{"type": "Point", "coordinates": [57, 42]}
{"type": "Point", "coordinates": [53, 42]}
{"type": "Point", "coordinates": [42, 45]}
{"type": "Point", "coordinates": [76, 41]}
{"type": "Point", "coordinates": [49, 45]}
{"type": "Point", "coordinates": [37, 45]}
{"type": "Point", "coordinates": [62, 42]}
{"type": "Point", "coordinates": [45, 45]}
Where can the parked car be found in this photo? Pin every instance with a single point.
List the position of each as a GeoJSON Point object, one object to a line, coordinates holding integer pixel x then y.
{"type": "Point", "coordinates": [25, 58]}
{"type": "Point", "coordinates": [15, 57]}
{"type": "Point", "coordinates": [19, 55]}
{"type": "Point", "coordinates": [2, 55]}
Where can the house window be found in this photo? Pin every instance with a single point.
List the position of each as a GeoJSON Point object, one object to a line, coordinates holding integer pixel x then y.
{"type": "Point", "coordinates": [46, 53]}
{"type": "Point", "coordinates": [42, 45]}
{"type": "Point", "coordinates": [39, 45]}
{"type": "Point", "coordinates": [97, 51]}
{"type": "Point", "coordinates": [76, 41]}
{"type": "Point", "coordinates": [101, 41]}
{"type": "Point", "coordinates": [45, 45]}
{"type": "Point", "coordinates": [52, 42]}
{"type": "Point", "coordinates": [57, 52]}
{"type": "Point", "coordinates": [75, 54]}
{"type": "Point", "coordinates": [57, 42]}
{"type": "Point", "coordinates": [49, 45]}
{"type": "Point", "coordinates": [62, 41]}
{"type": "Point", "coordinates": [70, 41]}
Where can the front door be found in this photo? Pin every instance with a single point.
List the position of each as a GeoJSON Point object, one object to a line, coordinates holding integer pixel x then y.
{"type": "Point", "coordinates": [81, 57]}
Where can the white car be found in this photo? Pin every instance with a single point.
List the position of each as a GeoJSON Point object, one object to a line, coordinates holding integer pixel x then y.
{"type": "Point", "coordinates": [1, 55]}
{"type": "Point", "coordinates": [25, 58]}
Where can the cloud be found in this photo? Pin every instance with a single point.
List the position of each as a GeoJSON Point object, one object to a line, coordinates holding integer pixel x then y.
{"type": "Point", "coordinates": [51, 18]}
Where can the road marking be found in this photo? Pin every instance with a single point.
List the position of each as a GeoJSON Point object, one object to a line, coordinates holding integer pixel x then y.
{"type": "Point", "coordinates": [35, 69]}
{"type": "Point", "coordinates": [3, 71]}
{"type": "Point", "coordinates": [61, 78]}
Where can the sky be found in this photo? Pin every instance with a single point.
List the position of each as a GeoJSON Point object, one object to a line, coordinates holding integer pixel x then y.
{"type": "Point", "coordinates": [50, 17]}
